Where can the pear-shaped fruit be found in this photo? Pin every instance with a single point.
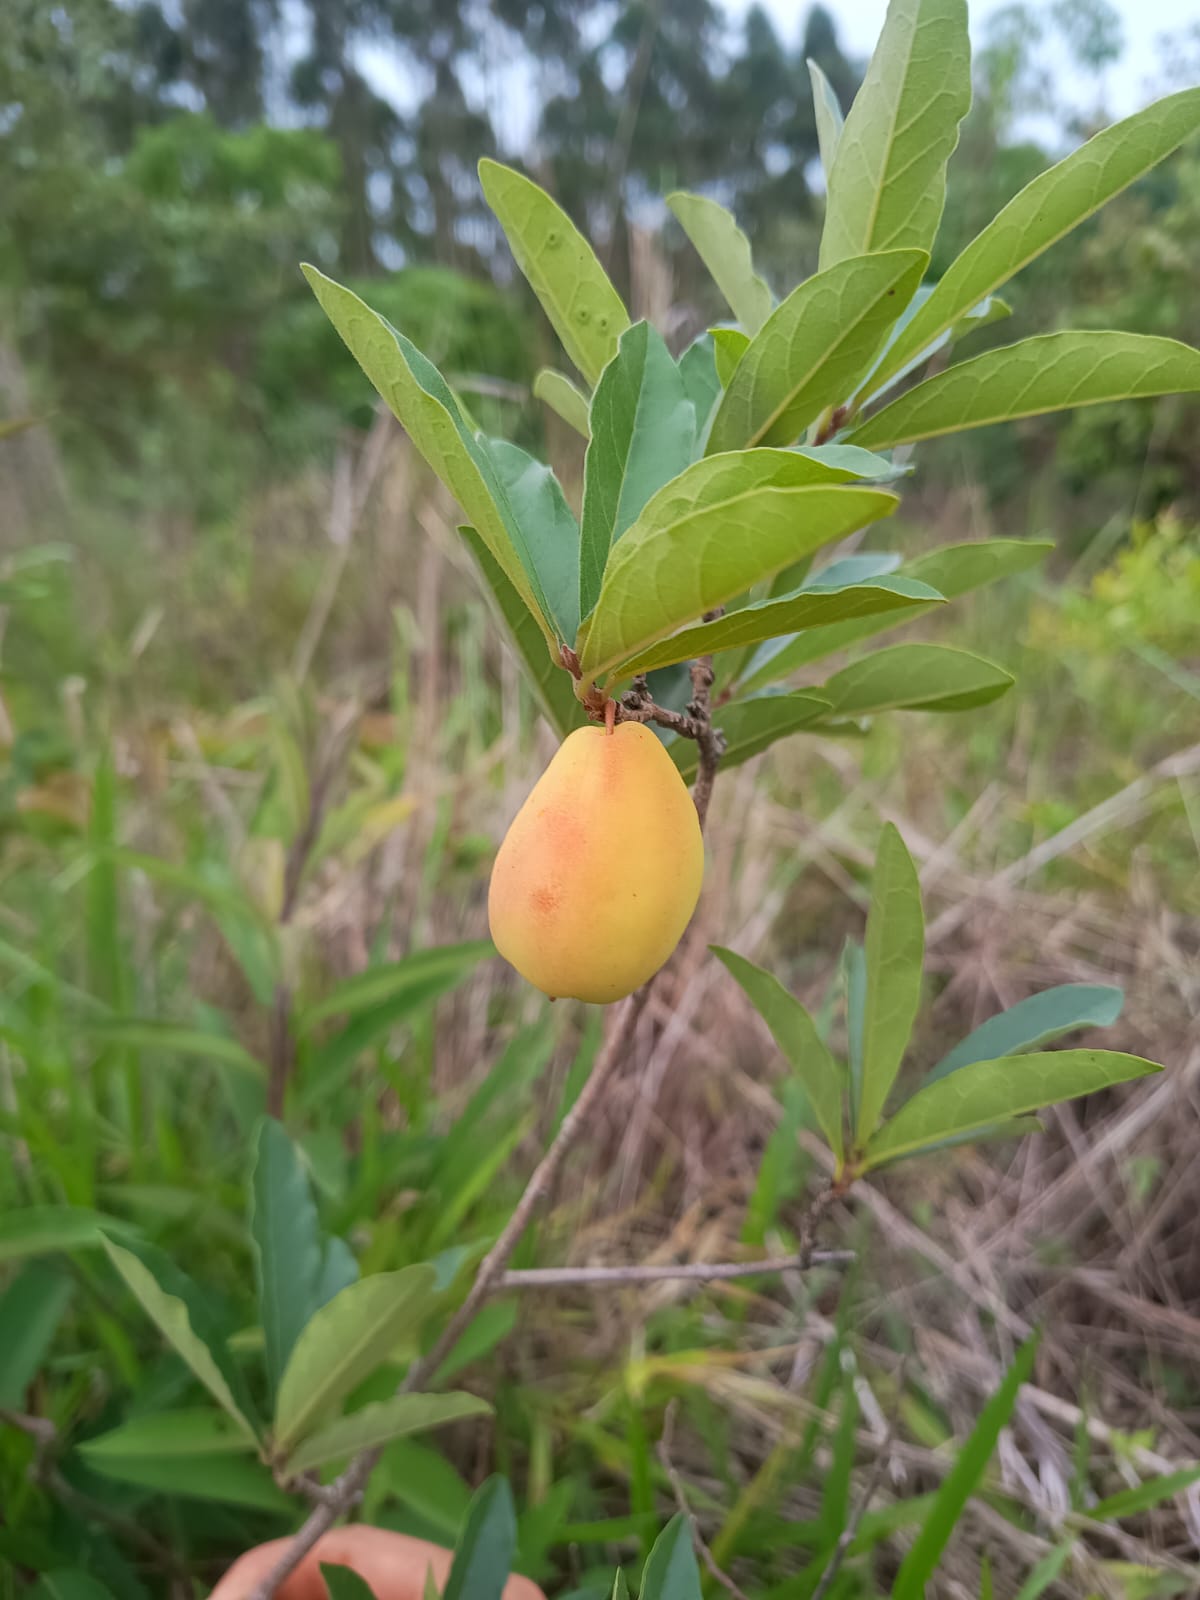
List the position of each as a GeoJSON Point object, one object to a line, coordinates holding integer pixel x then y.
{"type": "Point", "coordinates": [600, 872]}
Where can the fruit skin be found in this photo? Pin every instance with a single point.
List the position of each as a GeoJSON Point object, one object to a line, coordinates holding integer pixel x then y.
{"type": "Point", "coordinates": [600, 872]}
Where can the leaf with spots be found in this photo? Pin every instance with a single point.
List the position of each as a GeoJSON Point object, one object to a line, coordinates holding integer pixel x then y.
{"type": "Point", "coordinates": [561, 267]}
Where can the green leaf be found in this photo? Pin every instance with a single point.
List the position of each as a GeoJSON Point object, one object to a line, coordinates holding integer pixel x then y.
{"type": "Point", "coordinates": [643, 429]}
{"type": "Point", "coordinates": [551, 683]}
{"type": "Point", "coordinates": [420, 397]}
{"type": "Point", "coordinates": [339, 1269]}
{"type": "Point", "coordinates": [698, 369]}
{"type": "Point", "coordinates": [914, 677]}
{"type": "Point", "coordinates": [397, 980]}
{"type": "Point", "coordinates": [1128, 1502]}
{"type": "Point", "coordinates": [197, 1454]}
{"type": "Point", "coordinates": [479, 1338]}
{"type": "Point", "coordinates": [154, 1033]}
{"type": "Point", "coordinates": [830, 120]}
{"type": "Point", "coordinates": [381, 1421]}
{"type": "Point", "coordinates": [993, 1133]}
{"type": "Point", "coordinates": [1051, 372]}
{"type": "Point", "coordinates": [671, 1572]}
{"type": "Point", "coordinates": [31, 1308]}
{"type": "Point", "coordinates": [1047, 209]}
{"type": "Point", "coordinates": [854, 979]}
{"type": "Point", "coordinates": [548, 527]}
{"type": "Point", "coordinates": [343, 1583]}
{"type": "Point", "coordinates": [751, 726]}
{"type": "Point", "coordinates": [953, 570]}
{"type": "Point", "coordinates": [1037, 1020]}
{"type": "Point", "coordinates": [288, 1253]}
{"type": "Point", "coordinates": [344, 1343]}
{"type": "Point", "coordinates": [678, 560]}
{"type": "Point", "coordinates": [1046, 1571]}
{"type": "Point", "coordinates": [165, 1435]}
{"type": "Point", "coordinates": [882, 377]}
{"type": "Point", "coordinates": [851, 462]}
{"type": "Point", "coordinates": [813, 349]}
{"type": "Point", "coordinates": [68, 1583]}
{"type": "Point", "coordinates": [729, 346]}
{"type": "Point", "coordinates": [432, 1592]}
{"type": "Point", "coordinates": [991, 1091]}
{"type": "Point", "coordinates": [620, 1589]}
{"type": "Point", "coordinates": [814, 605]}
{"type": "Point", "coordinates": [960, 1482]}
{"type": "Point", "coordinates": [796, 1035]}
{"type": "Point", "coordinates": [41, 1230]}
{"type": "Point", "coordinates": [725, 251]}
{"type": "Point", "coordinates": [177, 1308]}
{"type": "Point", "coordinates": [484, 1552]}
{"type": "Point", "coordinates": [895, 951]}
{"type": "Point", "coordinates": [887, 186]}
{"type": "Point", "coordinates": [557, 391]}
{"type": "Point", "coordinates": [560, 266]}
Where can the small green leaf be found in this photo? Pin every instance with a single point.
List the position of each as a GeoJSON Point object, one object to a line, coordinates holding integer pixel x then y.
{"type": "Point", "coordinates": [751, 726]}
{"type": "Point", "coordinates": [853, 462]}
{"type": "Point", "coordinates": [887, 185]}
{"type": "Point", "coordinates": [343, 1583]}
{"type": "Point", "coordinates": [548, 527]}
{"type": "Point", "coordinates": [339, 1269]}
{"type": "Point", "coordinates": [830, 120]}
{"type": "Point", "coordinates": [176, 1306]}
{"type": "Point", "coordinates": [725, 251]}
{"type": "Point", "coordinates": [419, 396]}
{"type": "Point", "coordinates": [288, 1252]}
{"type": "Point", "coordinates": [396, 980]}
{"type": "Point", "coordinates": [31, 1308]}
{"type": "Point", "coordinates": [895, 950]}
{"type": "Point", "coordinates": [153, 1033]}
{"type": "Point", "coordinates": [854, 980]}
{"type": "Point", "coordinates": [881, 377]}
{"type": "Point", "coordinates": [814, 605]}
{"type": "Point", "coordinates": [1037, 1020]}
{"type": "Point", "coordinates": [551, 684]}
{"type": "Point", "coordinates": [814, 348]}
{"type": "Point", "coordinates": [164, 1435]}
{"type": "Point", "coordinates": [620, 1589]}
{"type": "Point", "coordinates": [795, 1033]}
{"type": "Point", "coordinates": [1051, 372]}
{"type": "Point", "coordinates": [41, 1230]}
{"type": "Point", "coordinates": [953, 570]}
{"type": "Point", "coordinates": [993, 1133]}
{"type": "Point", "coordinates": [960, 1482]}
{"type": "Point", "coordinates": [479, 1338]}
{"type": "Point", "coordinates": [729, 346]}
{"type": "Point", "coordinates": [344, 1343]}
{"type": "Point", "coordinates": [560, 266]}
{"type": "Point", "coordinates": [381, 1421]}
{"type": "Point", "coordinates": [671, 1572]}
{"type": "Point", "coordinates": [991, 1091]}
{"type": "Point", "coordinates": [698, 369]}
{"type": "Point", "coordinates": [1046, 1571]}
{"type": "Point", "coordinates": [1047, 209]}
{"type": "Point", "coordinates": [557, 391]}
{"type": "Point", "coordinates": [484, 1552]}
{"type": "Point", "coordinates": [68, 1583]}
{"type": "Point", "coordinates": [643, 428]}
{"type": "Point", "coordinates": [1128, 1502]}
{"type": "Point", "coordinates": [432, 1592]}
{"type": "Point", "coordinates": [914, 677]}
{"type": "Point", "coordinates": [677, 562]}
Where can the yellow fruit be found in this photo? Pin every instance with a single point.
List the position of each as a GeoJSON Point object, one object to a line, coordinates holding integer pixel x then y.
{"type": "Point", "coordinates": [600, 872]}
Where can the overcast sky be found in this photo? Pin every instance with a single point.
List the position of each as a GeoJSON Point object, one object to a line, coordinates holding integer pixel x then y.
{"type": "Point", "coordinates": [1134, 81]}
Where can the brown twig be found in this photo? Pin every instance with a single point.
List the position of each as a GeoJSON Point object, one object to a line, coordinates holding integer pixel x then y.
{"type": "Point", "coordinates": [672, 1472]}
{"type": "Point", "coordinates": [692, 1272]}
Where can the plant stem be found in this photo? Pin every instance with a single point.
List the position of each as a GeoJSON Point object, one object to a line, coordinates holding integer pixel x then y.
{"type": "Point", "coordinates": [693, 1272]}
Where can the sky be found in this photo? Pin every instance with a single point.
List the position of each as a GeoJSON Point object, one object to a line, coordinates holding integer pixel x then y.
{"type": "Point", "coordinates": [1130, 84]}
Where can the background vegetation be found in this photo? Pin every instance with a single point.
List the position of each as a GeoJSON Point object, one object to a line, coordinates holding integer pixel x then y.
{"type": "Point", "coordinates": [258, 734]}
